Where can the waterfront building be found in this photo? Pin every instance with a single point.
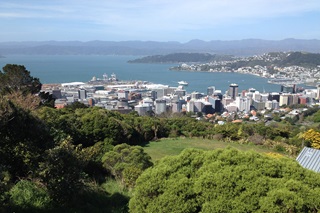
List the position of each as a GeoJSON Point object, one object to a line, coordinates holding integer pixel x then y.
{"type": "Point", "coordinates": [180, 92]}
{"type": "Point", "coordinates": [288, 88]}
{"type": "Point", "coordinates": [233, 91]}
{"type": "Point", "coordinates": [210, 90]}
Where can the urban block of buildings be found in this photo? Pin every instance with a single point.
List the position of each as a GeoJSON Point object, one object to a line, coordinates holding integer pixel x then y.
{"type": "Point", "coordinates": [146, 98]}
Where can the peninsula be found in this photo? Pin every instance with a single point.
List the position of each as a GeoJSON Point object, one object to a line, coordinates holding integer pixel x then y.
{"type": "Point", "coordinates": [278, 67]}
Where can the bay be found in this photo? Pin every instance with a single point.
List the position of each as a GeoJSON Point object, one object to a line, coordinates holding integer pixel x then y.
{"type": "Point", "coordinates": [70, 68]}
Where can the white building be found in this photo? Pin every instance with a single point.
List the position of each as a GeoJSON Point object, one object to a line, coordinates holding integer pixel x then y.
{"type": "Point", "coordinates": [190, 106]}
{"type": "Point", "coordinates": [243, 104]}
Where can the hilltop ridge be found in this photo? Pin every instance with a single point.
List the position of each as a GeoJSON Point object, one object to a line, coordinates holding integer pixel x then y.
{"type": "Point", "coordinates": [243, 47]}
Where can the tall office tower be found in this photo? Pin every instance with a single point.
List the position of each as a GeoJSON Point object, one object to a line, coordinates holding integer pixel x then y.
{"type": "Point", "coordinates": [82, 93]}
{"type": "Point", "coordinates": [210, 90]}
{"type": "Point", "coordinates": [284, 99]}
{"type": "Point", "coordinates": [243, 104]}
{"type": "Point", "coordinates": [233, 91]}
{"type": "Point", "coordinates": [160, 106]}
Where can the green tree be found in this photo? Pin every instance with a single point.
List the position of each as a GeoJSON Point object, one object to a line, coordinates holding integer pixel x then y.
{"type": "Point", "coordinates": [27, 196]}
{"type": "Point", "coordinates": [23, 139]}
{"type": "Point", "coordinates": [17, 77]}
{"type": "Point", "coordinates": [226, 181]}
{"type": "Point", "coordinates": [62, 172]}
{"type": "Point", "coordinates": [126, 163]}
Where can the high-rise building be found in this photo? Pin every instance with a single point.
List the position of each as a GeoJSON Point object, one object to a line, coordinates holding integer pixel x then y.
{"type": "Point", "coordinates": [318, 92]}
{"type": "Point", "coordinates": [210, 90]}
{"type": "Point", "coordinates": [274, 96]}
{"type": "Point", "coordinates": [243, 104]}
{"type": "Point", "coordinates": [233, 91]}
{"type": "Point", "coordinates": [82, 94]}
{"type": "Point", "coordinates": [284, 99]}
{"type": "Point", "coordinates": [198, 106]}
{"type": "Point", "coordinates": [275, 104]}
{"type": "Point", "coordinates": [176, 106]}
{"type": "Point", "coordinates": [258, 105]}
{"type": "Point", "coordinates": [216, 103]}
{"type": "Point", "coordinates": [161, 106]}
{"type": "Point", "coordinates": [190, 106]}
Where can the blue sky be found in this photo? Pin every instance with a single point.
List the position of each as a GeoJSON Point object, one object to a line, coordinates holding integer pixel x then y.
{"type": "Point", "coordinates": [158, 20]}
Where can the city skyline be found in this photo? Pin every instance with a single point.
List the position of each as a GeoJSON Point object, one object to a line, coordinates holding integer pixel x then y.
{"type": "Point", "coordinates": [160, 20]}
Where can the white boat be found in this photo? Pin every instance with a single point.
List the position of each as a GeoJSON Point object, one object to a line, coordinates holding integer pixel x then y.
{"type": "Point", "coordinates": [184, 83]}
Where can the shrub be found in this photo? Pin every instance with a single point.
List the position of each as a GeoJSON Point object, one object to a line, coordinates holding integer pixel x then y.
{"type": "Point", "coordinates": [26, 195]}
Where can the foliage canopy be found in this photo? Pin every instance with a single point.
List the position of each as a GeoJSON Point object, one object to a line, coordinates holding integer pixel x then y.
{"type": "Point", "coordinates": [226, 181]}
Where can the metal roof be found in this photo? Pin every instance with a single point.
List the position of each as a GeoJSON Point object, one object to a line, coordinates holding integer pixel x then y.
{"type": "Point", "coordinates": [310, 159]}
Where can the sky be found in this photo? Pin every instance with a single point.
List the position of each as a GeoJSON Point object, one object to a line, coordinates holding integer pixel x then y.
{"type": "Point", "coordinates": [158, 20]}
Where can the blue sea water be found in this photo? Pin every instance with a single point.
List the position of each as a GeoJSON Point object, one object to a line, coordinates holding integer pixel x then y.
{"type": "Point", "coordinates": [69, 68]}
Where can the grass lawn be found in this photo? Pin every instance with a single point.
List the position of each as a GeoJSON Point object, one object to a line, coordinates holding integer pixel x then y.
{"type": "Point", "coordinates": [173, 146]}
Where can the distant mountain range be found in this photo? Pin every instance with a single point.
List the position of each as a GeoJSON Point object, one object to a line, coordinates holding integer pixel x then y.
{"type": "Point", "coordinates": [245, 47]}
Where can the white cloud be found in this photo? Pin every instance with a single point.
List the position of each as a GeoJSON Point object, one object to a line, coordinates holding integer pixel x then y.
{"type": "Point", "coordinates": [136, 17]}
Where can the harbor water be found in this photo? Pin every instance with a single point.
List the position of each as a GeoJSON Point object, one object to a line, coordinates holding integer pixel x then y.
{"type": "Point", "coordinates": [70, 68]}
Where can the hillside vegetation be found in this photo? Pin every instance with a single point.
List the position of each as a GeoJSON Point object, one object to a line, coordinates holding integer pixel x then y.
{"type": "Point", "coordinates": [226, 181]}
{"type": "Point", "coordinates": [81, 159]}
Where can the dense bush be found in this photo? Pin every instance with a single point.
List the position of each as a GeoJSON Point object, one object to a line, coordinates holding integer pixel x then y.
{"type": "Point", "coordinates": [226, 181]}
{"type": "Point", "coordinates": [27, 196]}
